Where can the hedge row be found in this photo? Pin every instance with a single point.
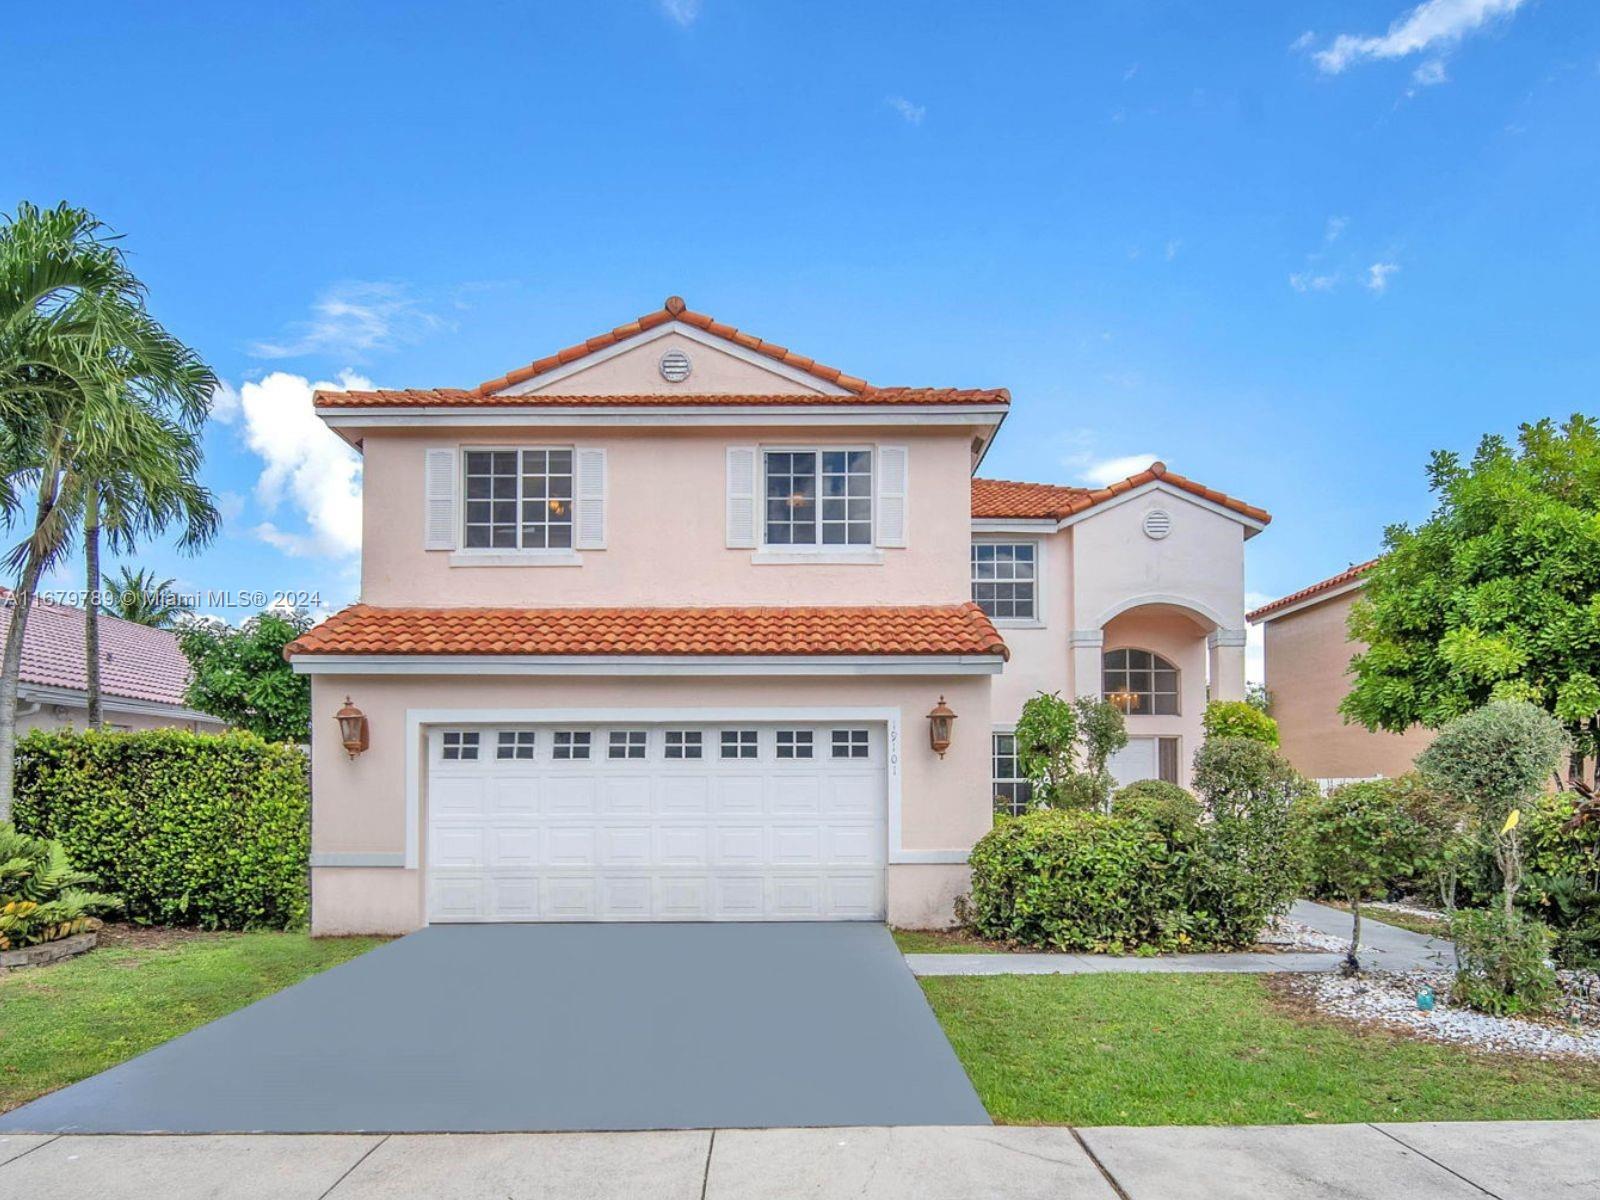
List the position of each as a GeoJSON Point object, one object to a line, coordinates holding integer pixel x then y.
{"type": "Point", "coordinates": [190, 829]}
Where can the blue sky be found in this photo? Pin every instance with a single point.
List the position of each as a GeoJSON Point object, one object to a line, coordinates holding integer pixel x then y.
{"type": "Point", "coordinates": [1290, 247]}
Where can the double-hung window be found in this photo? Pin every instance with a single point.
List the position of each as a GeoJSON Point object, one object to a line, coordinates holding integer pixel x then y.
{"type": "Point", "coordinates": [1013, 793]}
{"type": "Point", "coordinates": [1005, 579]}
{"type": "Point", "coordinates": [818, 497]}
{"type": "Point", "coordinates": [518, 499]}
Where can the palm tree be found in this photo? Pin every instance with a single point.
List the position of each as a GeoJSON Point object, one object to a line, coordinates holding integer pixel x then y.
{"type": "Point", "coordinates": [140, 597]}
{"type": "Point", "coordinates": [90, 384]}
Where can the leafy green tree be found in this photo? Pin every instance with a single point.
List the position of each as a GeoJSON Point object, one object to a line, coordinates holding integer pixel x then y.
{"type": "Point", "coordinates": [1497, 760]}
{"type": "Point", "coordinates": [1256, 695]}
{"type": "Point", "coordinates": [140, 597]}
{"type": "Point", "coordinates": [1352, 841]}
{"type": "Point", "coordinates": [1239, 718]}
{"type": "Point", "coordinates": [241, 676]}
{"type": "Point", "coordinates": [1493, 597]}
{"type": "Point", "coordinates": [1046, 739]}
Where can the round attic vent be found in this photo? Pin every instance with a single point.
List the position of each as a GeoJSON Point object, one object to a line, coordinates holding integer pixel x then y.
{"type": "Point", "coordinates": [1157, 523]}
{"type": "Point", "coordinates": [675, 366]}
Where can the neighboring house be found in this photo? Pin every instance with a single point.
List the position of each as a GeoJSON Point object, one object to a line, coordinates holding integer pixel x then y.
{"type": "Point", "coordinates": [143, 674]}
{"type": "Point", "coordinates": [1308, 653]}
{"type": "Point", "coordinates": [651, 629]}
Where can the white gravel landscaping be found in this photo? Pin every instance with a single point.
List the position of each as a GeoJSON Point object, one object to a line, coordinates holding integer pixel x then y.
{"type": "Point", "coordinates": [1390, 998]}
{"type": "Point", "coordinates": [1286, 934]}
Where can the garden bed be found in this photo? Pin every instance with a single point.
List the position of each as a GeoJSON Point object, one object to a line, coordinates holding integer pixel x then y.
{"type": "Point", "coordinates": [1389, 999]}
{"type": "Point", "coordinates": [1282, 936]}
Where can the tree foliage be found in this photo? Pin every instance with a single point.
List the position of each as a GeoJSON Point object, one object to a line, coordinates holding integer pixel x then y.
{"type": "Point", "coordinates": [1496, 596]}
{"type": "Point", "coordinates": [1239, 718]}
{"type": "Point", "coordinates": [241, 676]}
{"type": "Point", "coordinates": [140, 597]}
{"type": "Point", "coordinates": [1064, 748]}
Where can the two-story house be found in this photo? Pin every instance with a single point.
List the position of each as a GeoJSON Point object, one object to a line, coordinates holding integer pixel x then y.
{"type": "Point", "coordinates": [665, 626]}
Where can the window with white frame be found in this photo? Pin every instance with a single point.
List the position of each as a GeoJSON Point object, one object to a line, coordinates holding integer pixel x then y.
{"type": "Point", "coordinates": [459, 745]}
{"type": "Point", "coordinates": [518, 499]}
{"type": "Point", "coordinates": [1140, 683]}
{"type": "Point", "coordinates": [1005, 579]}
{"type": "Point", "coordinates": [514, 743]}
{"type": "Point", "coordinates": [795, 743]}
{"type": "Point", "coordinates": [626, 743]}
{"type": "Point", "coordinates": [818, 497]}
{"type": "Point", "coordinates": [851, 743]}
{"type": "Point", "coordinates": [571, 745]}
{"type": "Point", "coordinates": [739, 743]}
{"type": "Point", "coordinates": [1012, 792]}
{"type": "Point", "coordinates": [684, 744]}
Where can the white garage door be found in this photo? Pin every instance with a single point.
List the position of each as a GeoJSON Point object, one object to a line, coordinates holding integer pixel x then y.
{"type": "Point", "coordinates": [656, 822]}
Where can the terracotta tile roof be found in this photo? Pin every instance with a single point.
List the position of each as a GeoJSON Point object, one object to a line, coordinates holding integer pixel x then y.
{"type": "Point", "coordinates": [912, 630]}
{"type": "Point", "coordinates": [136, 662]}
{"type": "Point", "coordinates": [1348, 575]}
{"type": "Point", "coordinates": [1002, 499]}
{"type": "Point", "coordinates": [460, 398]}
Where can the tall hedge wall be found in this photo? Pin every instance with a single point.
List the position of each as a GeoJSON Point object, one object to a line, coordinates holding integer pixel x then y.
{"type": "Point", "coordinates": [190, 829]}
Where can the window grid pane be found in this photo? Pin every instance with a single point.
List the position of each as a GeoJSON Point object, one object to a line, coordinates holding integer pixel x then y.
{"type": "Point", "coordinates": [739, 743]}
{"type": "Point", "coordinates": [851, 743]}
{"type": "Point", "coordinates": [795, 743]}
{"type": "Point", "coordinates": [626, 743]}
{"type": "Point", "coordinates": [571, 744]}
{"type": "Point", "coordinates": [1012, 793]}
{"type": "Point", "coordinates": [514, 743]}
{"type": "Point", "coordinates": [791, 498]}
{"type": "Point", "coordinates": [1140, 683]}
{"type": "Point", "coordinates": [518, 499]}
{"type": "Point", "coordinates": [459, 745]}
{"type": "Point", "coordinates": [846, 498]}
{"type": "Point", "coordinates": [683, 743]}
{"type": "Point", "coordinates": [1004, 579]}
{"type": "Point", "coordinates": [818, 497]}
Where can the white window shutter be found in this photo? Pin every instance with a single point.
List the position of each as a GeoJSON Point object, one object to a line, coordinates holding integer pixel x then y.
{"type": "Point", "coordinates": [439, 498]}
{"type": "Point", "coordinates": [742, 497]}
{"type": "Point", "coordinates": [589, 532]}
{"type": "Point", "coordinates": [893, 472]}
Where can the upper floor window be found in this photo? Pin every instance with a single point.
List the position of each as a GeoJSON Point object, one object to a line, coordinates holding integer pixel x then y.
{"type": "Point", "coordinates": [1140, 683]}
{"type": "Point", "coordinates": [1005, 579]}
{"type": "Point", "coordinates": [818, 497]}
{"type": "Point", "coordinates": [518, 499]}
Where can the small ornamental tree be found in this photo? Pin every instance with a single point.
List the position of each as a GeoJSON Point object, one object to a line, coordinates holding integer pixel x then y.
{"type": "Point", "coordinates": [241, 676]}
{"type": "Point", "coordinates": [1046, 738]}
{"type": "Point", "coordinates": [1102, 731]}
{"type": "Point", "coordinates": [1352, 841]}
{"type": "Point", "coordinates": [1239, 718]}
{"type": "Point", "coordinates": [1497, 760]}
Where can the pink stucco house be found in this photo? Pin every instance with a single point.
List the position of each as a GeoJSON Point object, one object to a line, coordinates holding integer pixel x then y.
{"type": "Point", "coordinates": [650, 629]}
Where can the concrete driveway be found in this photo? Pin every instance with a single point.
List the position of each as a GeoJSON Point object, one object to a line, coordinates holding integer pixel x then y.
{"type": "Point", "coordinates": [505, 1028]}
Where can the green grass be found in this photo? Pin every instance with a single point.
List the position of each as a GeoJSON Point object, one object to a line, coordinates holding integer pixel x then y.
{"type": "Point", "coordinates": [1415, 922]}
{"type": "Point", "coordinates": [929, 941]}
{"type": "Point", "coordinates": [62, 1023]}
{"type": "Point", "coordinates": [1220, 1049]}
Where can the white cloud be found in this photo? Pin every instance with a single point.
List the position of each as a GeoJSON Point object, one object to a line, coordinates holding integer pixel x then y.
{"type": "Point", "coordinates": [1334, 228]}
{"type": "Point", "coordinates": [224, 402]}
{"type": "Point", "coordinates": [1103, 471]}
{"type": "Point", "coordinates": [1435, 26]}
{"type": "Point", "coordinates": [1378, 276]}
{"type": "Point", "coordinates": [1309, 281]}
{"type": "Point", "coordinates": [1430, 73]}
{"type": "Point", "coordinates": [1304, 41]}
{"type": "Point", "coordinates": [353, 320]}
{"type": "Point", "coordinates": [1173, 246]}
{"type": "Point", "coordinates": [913, 113]}
{"type": "Point", "coordinates": [683, 13]}
{"type": "Point", "coordinates": [306, 464]}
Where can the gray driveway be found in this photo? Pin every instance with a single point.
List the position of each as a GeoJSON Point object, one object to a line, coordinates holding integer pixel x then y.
{"type": "Point", "coordinates": [504, 1028]}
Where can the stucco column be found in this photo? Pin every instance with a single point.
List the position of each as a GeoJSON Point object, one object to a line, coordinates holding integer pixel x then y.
{"type": "Point", "coordinates": [1085, 647]}
{"type": "Point", "coordinates": [1226, 661]}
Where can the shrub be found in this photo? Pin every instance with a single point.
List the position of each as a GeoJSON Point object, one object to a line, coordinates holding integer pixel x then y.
{"type": "Point", "coordinates": [203, 829]}
{"type": "Point", "coordinates": [42, 897]}
{"type": "Point", "coordinates": [1239, 718]}
{"type": "Point", "coordinates": [1164, 806]}
{"type": "Point", "coordinates": [1075, 880]}
{"type": "Point", "coordinates": [241, 675]}
{"type": "Point", "coordinates": [1502, 962]}
{"type": "Point", "coordinates": [1053, 734]}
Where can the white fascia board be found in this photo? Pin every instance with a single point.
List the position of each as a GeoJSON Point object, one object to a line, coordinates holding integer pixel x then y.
{"type": "Point", "coordinates": [432, 416]}
{"type": "Point", "coordinates": [772, 366]}
{"type": "Point", "coordinates": [1030, 525]}
{"type": "Point", "coordinates": [1311, 601]}
{"type": "Point", "coordinates": [1252, 526]}
{"type": "Point", "coordinates": [75, 698]}
{"type": "Point", "coordinates": [703, 664]}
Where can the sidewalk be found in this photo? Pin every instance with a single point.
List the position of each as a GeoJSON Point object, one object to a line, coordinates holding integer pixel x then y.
{"type": "Point", "coordinates": [1464, 1161]}
{"type": "Point", "coordinates": [1383, 948]}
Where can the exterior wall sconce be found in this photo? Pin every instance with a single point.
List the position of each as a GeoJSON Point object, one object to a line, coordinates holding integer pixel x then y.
{"type": "Point", "coordinates": [352, 728]}
{"type": "Point", "coordinates": [940, 723]}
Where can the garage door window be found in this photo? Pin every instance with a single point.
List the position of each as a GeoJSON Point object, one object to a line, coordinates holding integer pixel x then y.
{"type": "Point", "coordinates": [514, 743]}
{"type": "Point", "coordinates": [850, 743]}
{"type": "Point", "coordinates": [571, 744]}
{"type": "Point", "coordinates": [794, 743]}
{"type": "Point", "coordinates": [626, 743]}
{"type": "Point", "coordinates": [738, 743]}
{"type": "Point", "coordinates": [460, 745]}
{"type": "Point", "coordinates": [683, 743]}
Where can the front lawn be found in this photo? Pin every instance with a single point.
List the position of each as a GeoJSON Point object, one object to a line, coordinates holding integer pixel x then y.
{"type": "Point", "coordinates": [1220, 1050]}
{"type": "Point", "coordinates": [63, 1023]}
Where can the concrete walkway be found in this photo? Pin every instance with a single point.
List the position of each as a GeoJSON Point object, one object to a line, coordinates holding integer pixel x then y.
{"type": "Point", "coordinates": [1383, 948]}
{"type": "Point", "coordinates": [1465, 1161]}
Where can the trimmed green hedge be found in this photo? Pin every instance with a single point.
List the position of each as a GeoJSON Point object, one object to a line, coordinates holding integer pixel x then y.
{"type": "Point", "coordinates": [190, 829]}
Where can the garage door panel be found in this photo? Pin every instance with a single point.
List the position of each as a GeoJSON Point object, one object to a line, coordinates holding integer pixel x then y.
{"type": "Point", "coordinates": [749, 839]}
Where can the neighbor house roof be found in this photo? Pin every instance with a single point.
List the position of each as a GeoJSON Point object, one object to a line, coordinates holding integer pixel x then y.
{"type": "Point", "coordinates": [1330, 584]}
{"type": "Point", "coordinates": [1001, 499]}
{"type": "Point", "coordinates": [136, 661]}
{"type": "Point", "coordinates": [857, 391]}
{"type": "Point", "coordinates": [908, 630]}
